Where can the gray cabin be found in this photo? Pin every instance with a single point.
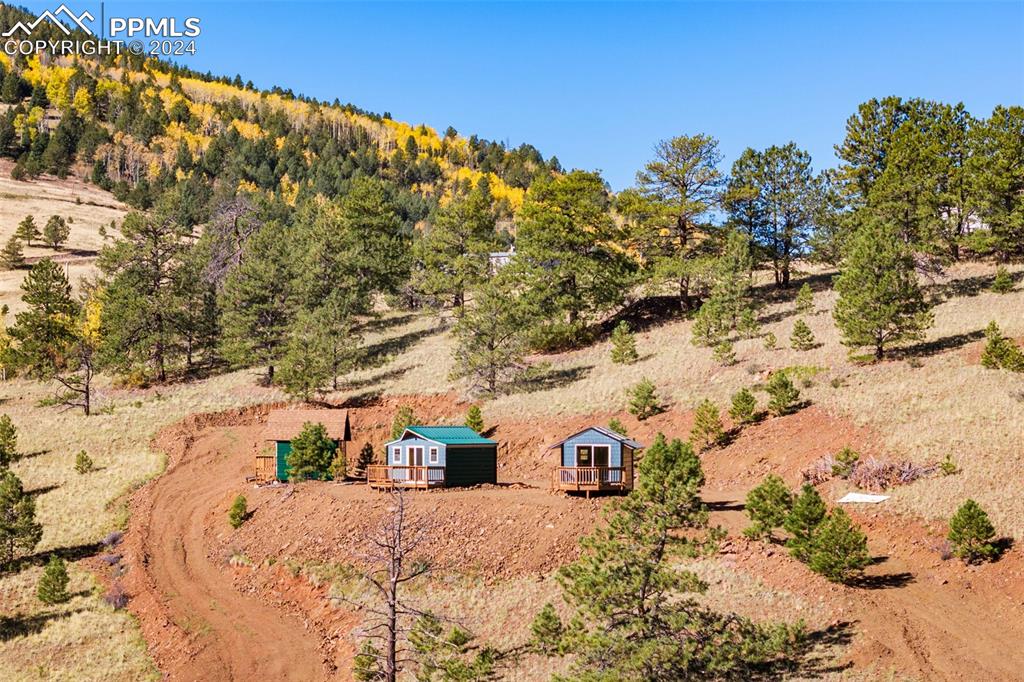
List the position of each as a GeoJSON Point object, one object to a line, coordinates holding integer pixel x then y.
{"type": "Point", "coordinates": [595, 459]}
{"type": "Point", "coordinates": [436, 456]}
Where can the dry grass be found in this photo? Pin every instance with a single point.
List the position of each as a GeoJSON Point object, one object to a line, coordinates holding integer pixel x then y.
{"type": "Point", "coordinates": [89, 206]}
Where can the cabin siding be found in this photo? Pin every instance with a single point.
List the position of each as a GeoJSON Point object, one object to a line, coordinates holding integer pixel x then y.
{"type": "Point", "coordinates": [591, 437]}
{"type": "Point", "coordinates": [471, 465]}
{"type": "Point", "coordinates": [404, 445]}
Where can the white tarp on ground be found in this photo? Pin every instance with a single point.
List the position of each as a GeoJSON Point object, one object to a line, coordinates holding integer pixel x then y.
{"type": "Point", "coordinates": [866, 498]}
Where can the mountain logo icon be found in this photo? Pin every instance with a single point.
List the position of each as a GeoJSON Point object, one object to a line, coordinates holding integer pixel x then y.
{"type": "Point", "coordinates": [53, 17]}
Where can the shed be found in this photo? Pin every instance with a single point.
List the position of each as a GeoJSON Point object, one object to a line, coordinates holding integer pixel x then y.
{"type": "Point", "coordinates": [284, 425]}
{"type": "Point", "coordinates": [437, 456]}
{"type": "Point", "coordinates": [595, 459]}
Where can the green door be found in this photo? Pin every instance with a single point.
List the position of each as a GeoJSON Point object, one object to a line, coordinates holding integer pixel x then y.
{"type": "Point", "coordinates": [283, 448]}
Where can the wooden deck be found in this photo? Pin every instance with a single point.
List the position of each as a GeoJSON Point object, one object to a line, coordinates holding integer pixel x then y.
{"type": "Point", "coordinates": [397, 476]}
{"type": "Point", "coordinates": [591, 479]}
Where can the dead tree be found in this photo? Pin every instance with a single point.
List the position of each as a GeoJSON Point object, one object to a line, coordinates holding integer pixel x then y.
{"type": "Point", "coordinates": [393, 563]}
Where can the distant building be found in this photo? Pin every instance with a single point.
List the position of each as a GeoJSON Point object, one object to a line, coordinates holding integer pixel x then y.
{"type": "Point", "coordinates": [595, 459]}
{"type": "Point", "coordinates": [499, 259]}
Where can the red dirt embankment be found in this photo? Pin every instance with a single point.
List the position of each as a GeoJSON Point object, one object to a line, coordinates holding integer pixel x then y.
{"type": "Point", "coordinates": [915, 614]}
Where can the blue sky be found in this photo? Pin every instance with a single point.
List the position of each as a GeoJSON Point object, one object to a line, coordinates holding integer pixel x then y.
{"type": "Point", "coordinates": [597, 84]}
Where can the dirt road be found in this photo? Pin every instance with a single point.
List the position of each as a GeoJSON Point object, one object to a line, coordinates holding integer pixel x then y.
{"type": "Point", "coordinates": [231, 636]}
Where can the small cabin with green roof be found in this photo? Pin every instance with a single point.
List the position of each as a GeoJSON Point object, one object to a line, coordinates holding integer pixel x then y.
{"type": "Point", "coordinates": [436, 456]}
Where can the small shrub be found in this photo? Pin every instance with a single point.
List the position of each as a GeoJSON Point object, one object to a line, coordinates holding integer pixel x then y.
{"type": "Point", "coordinates": [784, 395]}
{"type": "Point", "coordinates": [971, 534]}
{"type": "Point", "coordinates": [53, 584]}
{"type": "Point", "coordinates": [238, 512]}
{"type": "Point", "coordinates": [83, 462]}
{"type": "Point", "coordinates": [837, 382]}
{"type": "Point", "coordinates": [312, 453]}
{"type": "Point", "coordinates": [803, 520]}
{"type": "Point", "coordinates": [707, 426]}
{"type": "Point", "coordinates": [624, 345]}
{"type": "Point", "coordinates": [338, 471]}
{"type": "Point", "coordinates": [744, 406]}
{"type": "Point", "coordinates": [948, 467]}
{"type": "Point", "coordinates": [547, 632]}
{"type": "Point", "coordinates": [617, 426]}
{"type": "Point", "coordinates": [845, 460]}
{"type": "Point", "coordinates": [1003, 283]}
{"type": "Point", "coordinates": [839, 549]}
{"type": "Point", "coordinates": [643, 400]}
{"type": "Point", "coordinates": [767, 505]}
{"type": "Point", "coordinates": [475, 419]}
{"type": "Point", "coordinates": [802, 337]}
{"type": "Point", "coordinates": [724, 354]}
{"type": "Point", "coordinates": [1000, 352]}
{"type": "Point", "coordinates": [770, 342]}
{"type": "Point", "coordinates": [116, 596]}
{"type": "Point", "coordinates": [805, 300]}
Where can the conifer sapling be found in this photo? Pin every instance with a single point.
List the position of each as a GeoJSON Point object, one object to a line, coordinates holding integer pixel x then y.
{"type": "Point", "coordinates": [805, 300]}
{"type": "Point", "coordinates": [768, 505]}
{"type": "Point", "coordinates": [839, 549]}
{"type": "Point", "coordinates": [803, 520]}
{"type": "Point", "coordinates": [802, 337]}
{"type": "Point", "coordinates": [1003, 283]}
{"type": "Point", "coordinates": [724, 354]}
{"type": "Point", "coordinates": [238, 512]}
{"type": "Point", "coordinates": [83, 462]}
{"type": "Point", "coordinates": [53, 584]}
{"type": "Point", "coordinates": [707, 426]}
{"type": "Point", "coordinates": [784, 395]}
{"type": "Point", "coordinates": [971, 534]}
{"type": "Point", "coordinates": [8, 441]}
{"type": "Point", "coordinates": [617, 426]}
{"type": "Point", "coordinates": [770, 341]}
{"type": "Point", "coordinates": [744, 406]}
{"type": "Point", "coordinates": [475, 419]}
{"type": "Point", "coordinates": [623, 345]}
{"type": "Point", "coordinates": [643, 400]}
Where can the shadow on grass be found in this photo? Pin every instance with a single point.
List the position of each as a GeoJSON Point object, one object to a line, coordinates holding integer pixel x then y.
{"type": "Point", "coordinates": [725, 505]}
{"type": "Point", "coordinates": [379, 353]}
{"type": "Point", "coordinates": [646, 313]}
{"type": "Point", "coordinates": [43, 490]}
{"type": "Point", "coordinates": [816, 654]}
{"type": "Point", "coordinates": [928, 348]}
{"type": "Point", "coordinates": [34, 453]}
{"type": "Point", "coordinates": [22, 626]}
{"type": "Point", "coordinates": [554, 378]}
{"type": "Point", "coordinates": [384, 323]}
{"type": "Point", "coordinates": [360, 384]}
{"type": "Point", "coordinates": [72, 553]}
{"type": "Point", "coordinates": [969, 286]}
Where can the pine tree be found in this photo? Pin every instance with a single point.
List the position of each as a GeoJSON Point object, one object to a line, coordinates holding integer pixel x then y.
{"type": "Point", "coordinates": [42, 330]}
{"type": "Point", "coordinates": [880, 302]}
{"type": "Point", "coordinates": [623, 345]}
{"type": "Point", "coordinates": [18, 527]}
{"type": "Point", "coordinates": [238, 512]}
{"type": "Point", "coordinates": [403, 419]}
{"type": "Point", "coordinates": [83, 462]}
{"type": "Point", "coordinates": [617, 426]}
{"type": "Point", "coordinates": [312, 453]}
{"type": "Point", "coordinates": [492, 339]}
{"type": "Point", "coordinates": [802, 337]}
{"type": "Point", "coordinates": [770, 341]}
{"type": "Point", "coordinates": [971, 534]}
{"type": "Point", "coordinates": [768, 506]}
{"type": "Point", "coordinates": [744, 406]}
{"type": "Point", "coordinates": [12, 256]}
{"type": "Point", "coordinates": [643, 400]}
{"type": "Point", "coordinates": [8, 441]}
{"type": "Point", "coordinates": [1003, 283]}
{"type": "Point", "coordinates": [475, 419]}
{"type": "Point", "coordinates": [784, 395]}
{"type": "Point", "coordinates": [748, 325]}
{"type": "Point", "coordinates": [1000, 352]}
{"type": "Point", "coordinates": [839, 549]}
{"type": "Point", "coordinates": [56, 232]}
{"type": "Point", "coordinates": [448, 655]}
{"type": "Point", "coordinates": [846, 460]}
{"type": "Point", "coordinates": [258, 301]}
{"type": "Point", "coordinates": [364, 460]}
{"type": "Point", "coordinates": [805, 300]}
{"type": "Point", "coordinates": [707, 426]}
{"type": "Point", "coordinates": [338, 471]}
{"type": "Point", "coordinates": [564, 255]}
{"type": "Point", "coordinates": [803, 521]}
{"type": "Point", "coordinates": [305, 367]}
{"type": "Point", "coordinates": [27, 231]}
{"type": "Point", "coordinates": [635, 613]}
{"type": "Point", "coordinates": [53, 584]}
{"type": "Point", "coordinates": [998, 178]}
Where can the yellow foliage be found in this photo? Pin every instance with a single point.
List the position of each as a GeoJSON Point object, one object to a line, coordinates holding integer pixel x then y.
{"type": "Point", "coordinates": [499, 190]}
{"type": "Point", "coordinates": [170, 98]}
{"type": "Point", "coordinates": [105, 86]}
{"type": "Point", "coordinates": [250, 131]}
{"type": "Point", "coordinates": [34, 71]}
{"type": "Point", "coordinates": [5, 61]}
{"type": "Point", "coordinates": [289, 190]}
{"type": "Point", "coordinates": [90, 329]}
{"type": "Point", "coordinates": [247, 186]}
{"type": "Point", "coordinates": [83, 103]}
{"type": "Point", "coordinates": [153, 170]}
{"type": "Point", "coordinates": [58, 88]}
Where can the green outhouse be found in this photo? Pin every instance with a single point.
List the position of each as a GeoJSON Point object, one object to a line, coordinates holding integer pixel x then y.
{"type": "Point", "coordinates": [284, 425]}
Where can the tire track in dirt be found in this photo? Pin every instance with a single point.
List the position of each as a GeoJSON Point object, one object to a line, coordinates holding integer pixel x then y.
{"type": "Point", "coordinates": [198, 625]}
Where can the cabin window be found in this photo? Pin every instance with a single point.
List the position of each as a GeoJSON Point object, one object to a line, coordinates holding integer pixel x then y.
{"type": "Point", "coordinates": [396, 455]}
{"type": "Point", "coordinates": [433, 455]}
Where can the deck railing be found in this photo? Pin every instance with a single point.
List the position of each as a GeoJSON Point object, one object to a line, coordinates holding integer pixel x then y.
{"type": "Point", "coordinates": [594, 478]}
{"type": "Point", "coordinates": [391, 475]}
